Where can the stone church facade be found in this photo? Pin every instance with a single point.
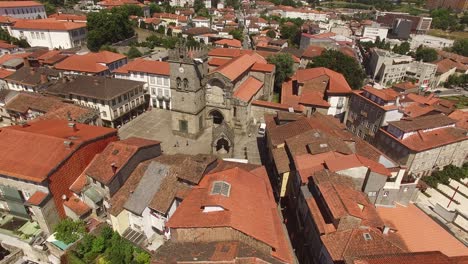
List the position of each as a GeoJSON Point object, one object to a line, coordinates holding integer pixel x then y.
{"type": "Point", "coordinates": [222, 95]}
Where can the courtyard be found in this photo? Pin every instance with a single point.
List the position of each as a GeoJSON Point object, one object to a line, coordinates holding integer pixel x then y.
{"type": "Point", "coordinates": [156, 125]}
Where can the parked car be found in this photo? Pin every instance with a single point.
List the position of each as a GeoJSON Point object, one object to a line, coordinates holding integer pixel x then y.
{"type": "Point", "coordinates": [261, 129]}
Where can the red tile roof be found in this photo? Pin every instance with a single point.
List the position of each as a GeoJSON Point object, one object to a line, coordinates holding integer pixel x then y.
{"type": "Point", "coordinates": [90, 62]}
{"type": "Point", "coordinates": [416, 109]}
{"type": "Point", "coordinates": [313, 98]}
{"type": "Point", "coordinates": [117, 153]}
{"type": "Point", "coordinates": [413, 226]}
{"type": "Point", "coordinates": [263, 67]}
{"type": "Point", "coordinates": [236, 67]}
{"type": "Point", "coordinates": [249, 208]}
{"type": "Point", "coordinates": [147, 66]}
{"type": "Point", "coordinates": [218, 61]}
{"type": "Point", "coordinates": [313, 51]}
{"type": "Point", "coordinates": [445, 65]}
{"type": "Point", "coordinates": [6, 4]}
{"type": "Point", "coordinates": [234, 43]}
{"type": "Point", "coordinates": [353, 161]}
{"type": "Point", "coordinates": [226, 52]}
{"type": "Point", "coordinates": [41, 146]}
{"type": "Point", "coordinates": [77, 206]}
{"type": "Point", "coordinates": [47, 24]}
{"type": "Point", "coordinates": [346, 244]}
{"type": "Point", "coordinates": [461, 117]}
{"type": "Point", "coordinates": [248, 89]}
{"type": "Point", "coordinates": [427, 257]}
{"type": "Point", "coordinates": [278, 106]}
{"type": "Point", "coordinates": [6, 45]}
{"type": "Point", "coordinates": [384, 94]}
{"type": "Point", "coordinates": [405, 85]}
{"type": "Point", "coordinates": [5, 73]}
{"type": "Point", "coordinates": [337, 82]}
{"type": "Point", "coordinates": [68, 17]}
{"type": "Point", "coordinates": [8, 57]}
{"type": "Point", "coordinates": [37, 198]}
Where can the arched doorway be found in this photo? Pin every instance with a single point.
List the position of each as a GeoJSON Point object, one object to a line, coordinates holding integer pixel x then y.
{"type": "Point", "coordinates": [218, 118]}
{"type": "Point", "coordinates": [222, 146]}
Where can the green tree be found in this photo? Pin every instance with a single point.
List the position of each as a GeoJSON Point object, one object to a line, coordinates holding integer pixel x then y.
{"type": "Point", "coordinates": [284, 67]}
{"type": "Point", "coordinates": [444, 19]}
{"type": "Point", "coordinates": [237, 34]}
{"type": "Point", "coordinates": [339, 62]}
{"type": "Point", "coordinates": [402, 49]}
{"type": "Point", "coordinates": [271, 33]}
{"type": "Point", "coordinates": [108, 26]}
{"type": "Point", "coordinates": [142, 258]}
{"type": "Point", "coordinates": [85, 245]}
{"type": "Point", "coordinates": [154, 8]}
{"type": "Point", "coordinates": [289, 31]}
{"type": "Point", "coordinates": [132, 10]}
{"type": "Point", "coordinates": [426, 54]}
{"type": "Point", "coordinates": [198, 5]}
{"type": "Point", "coordinates": [460, 47]}
{"type": "Point", "coordinates": [69, 231]}
{"type": "Point", "coordinates": [233, 3]}
{"type": "Point", "coordinates": [133, 52]}
{"type": "Point", "coordinates": [161, 29]}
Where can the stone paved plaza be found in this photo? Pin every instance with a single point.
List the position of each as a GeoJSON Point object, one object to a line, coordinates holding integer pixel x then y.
{"type": "Point", "coordinates": [156, 125]}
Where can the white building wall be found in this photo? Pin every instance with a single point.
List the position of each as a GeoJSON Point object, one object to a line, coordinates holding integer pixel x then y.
{"type": "Point", "coordinates": [335, 103]}
{"type": "Point", "coordinates": [50, 39]}
{"type": "Point", "coordinates": [374, 32]}
{"type": "Point", "coordinates": [430, 41]}
{"type": "Point", "coordinates": [26, 12]}
{"type": "Point", "coordinates": [393, 115]}
{"type": "Point", "coordinates": [159, 86]}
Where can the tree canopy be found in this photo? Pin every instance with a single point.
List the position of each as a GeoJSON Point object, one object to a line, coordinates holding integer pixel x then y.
{"type": "Point", "coordinates": [237, 34]}
{"type": "Point", "coordinates": [339, 62]}
{"type": "Point", "coordinates": [284, 67]}
{"type": "Point", "coordinates": [426, 54]}
{"type": "Point", "coordinates": [133, 52]}
{"type": "Point", "coordinates": [109, 26]}
{"type": "Point", "coordinates": [444, 19]}
{"type": "Point", "coordinates": [402, 49]}
{"type": "Point", "coordinates": [69, 231]}
{"type": "Point", "coordinates": [291, 32]}
{"type": "Point", "coordinates": [271, 33]}
{"type": "Point", "coordinates": [4, 35]}
{"type": "Point", "coordinates": [460, 47]}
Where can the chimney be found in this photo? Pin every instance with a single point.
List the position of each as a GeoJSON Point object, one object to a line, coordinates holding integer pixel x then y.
{"type": "Point", "coordinates": [386, 229]}
{"type": "Point", "coordinates": [73, 126]}
{"type": "Point", "coordinates": [44, 79]}
{"type": "Point", "coordinates": [67, 144]}
{"type": "Point", "coordinates": [114, 167]}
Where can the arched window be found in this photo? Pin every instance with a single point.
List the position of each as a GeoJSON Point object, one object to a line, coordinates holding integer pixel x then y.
{"type": "Point", "coordinates": [185, 83]}
{"type": "Point", "coordinates": [179, 82]}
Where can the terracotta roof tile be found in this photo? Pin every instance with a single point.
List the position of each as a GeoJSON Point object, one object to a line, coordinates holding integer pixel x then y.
{"type": "Point", "coordinates": [248, 89]}
{"type": "Point", "coordinates": [313, 51]}
{"type": "Point", "coordinates": [6, 45]}
{"type": "Point", "coordinates": [147, 66]}
{"type": "Point", "coordinates": [218, 61]}
{"type": "Point", "coordinates": [353, 161]}
{"type": "Point", "coordinates": [263, 67]}
{"type": "Point", "coordinates": [461, 117]}
{"type": "Point", "coordinates": [68, 17]}
{"type": "Point", "coordinates": [77, 206]}
{"type": "Point", "coordinates": [37, 198]}
{"type": "Point", "coordinates": [422, 122]}
{"type": "Point", "coordinates": [236, 67]}
{"type": "Point", "coordinates": [41, 146]}
{"type": "Point", "coordinates": [5, 73]}
{"type": "Point", "coordinates": [8, 57]}
{"type": "Point", "coordinates": [336, 84]}
{"type": "Point", "coordinates": [258, 219]}
{"type": "Point", "coordinates": [428, 257]}
{"type": "Point", "coordinates": [384, 94]}
{"type": "Point", "coordinates": [345, 245]}
{"type": "Point", "coordinates": [426, 140]}
{"type": "Point", "coordinates": [6, 4]}
{"type": "Point", "coordinates": [117, 153]}
{"type": "Point", "coordinates": [47, 24]}
{"type": "Point", "coordinates": [413, 226]}
{"type": "Point", "coordinates": [233, 43]}
{"type": "Point", "coordinates": [90, 62]}
{"type": "Point", "coordinates": [405, 85]}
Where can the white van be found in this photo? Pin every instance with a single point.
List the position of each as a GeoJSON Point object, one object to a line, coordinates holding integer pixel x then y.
{"type": "Point", "coordinates": [261, 129]}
